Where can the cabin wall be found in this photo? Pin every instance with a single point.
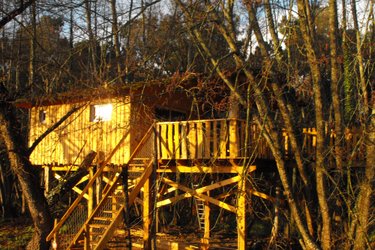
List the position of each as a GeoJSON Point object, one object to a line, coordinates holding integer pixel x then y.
{"type": "Point", "coordinates": [77, 136]}
{"type": "Point", "coordinates": [144, 104]}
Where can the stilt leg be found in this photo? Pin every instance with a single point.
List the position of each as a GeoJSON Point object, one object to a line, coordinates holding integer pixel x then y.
{"type": "Point", "coordinates": [241, 214]}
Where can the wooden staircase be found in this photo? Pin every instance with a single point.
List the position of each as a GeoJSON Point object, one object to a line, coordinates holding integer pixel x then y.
{"type": "Point", "coordinates": [105, 219]}
{"type": "Point", "coordinates": [76, 230]}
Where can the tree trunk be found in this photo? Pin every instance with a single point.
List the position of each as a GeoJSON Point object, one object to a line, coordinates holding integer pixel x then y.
{"type": "Point", "coordinates": [362, 80]}
{"type": "Point", "coordinates": [32, 45]}
{"type": "Point", "coordinates": [127, 44]}
{"type": "Point", "coordinates": [287, 112]}
{"type": "Point", "coordinates": [366, 194]}
{"type": "Point", "coordinates": [28, 177]}
{"type": "Point", "coordinates": [68, 182]}
{"type": "Point", "coordinates": [335, 88]}
{"type": "Point", "coordinates": [320, 163]}
{"type": "Point", "coordinates": [92, 41]}
{"type": "Point", "coordinates": [116, 42]}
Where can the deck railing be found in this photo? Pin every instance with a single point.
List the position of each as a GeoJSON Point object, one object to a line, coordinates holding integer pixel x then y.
{"type": "Point", "coordinates": [207, 139]}
{"type": "Point", "coordinates": [226, 139]}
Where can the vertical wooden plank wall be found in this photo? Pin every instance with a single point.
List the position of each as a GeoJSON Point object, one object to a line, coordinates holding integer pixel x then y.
{"type": "Point", "coordinates": [73, 139]}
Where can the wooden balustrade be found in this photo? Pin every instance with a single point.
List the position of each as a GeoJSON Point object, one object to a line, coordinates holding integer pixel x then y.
{"type": "Point", "coordinates": [226, 139]}
{"type": "Point", "coordinates": [205, 139]}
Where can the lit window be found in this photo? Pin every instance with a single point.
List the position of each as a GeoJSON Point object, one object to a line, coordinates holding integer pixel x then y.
{"type": "Point", "coordinates": [101, 112]}
{"type": "Point", "coordinates": [42, 116]}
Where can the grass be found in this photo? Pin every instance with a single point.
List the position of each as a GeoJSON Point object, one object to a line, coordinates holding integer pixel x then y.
{"type": "Point", "coordinates": [15, 233]}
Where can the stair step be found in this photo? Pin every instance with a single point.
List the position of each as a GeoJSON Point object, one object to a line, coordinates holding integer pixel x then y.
{"type": "Point", "coordinates": [138, 164]}
{"type": "Point", "coordinates": [108, 211]}
{"type": "Point", "coordinates": [99, 225]}
{"type": "Point", "coordinates": [103, 218]}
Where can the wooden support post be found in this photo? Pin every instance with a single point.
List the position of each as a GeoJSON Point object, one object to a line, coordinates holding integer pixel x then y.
{"type": "Point", "coordinates": [87, 238]}
{"type": "Point", "coordinates": [241, 213]}
{"type": "Point", "coordinates": [146, 215]}
{"type": "Point", "coordinates": [90, 202]}
{"type": "Point", "coordinates": [98, 190]}
{"type": "Point", "coordinates": [54, 241]}
{"type": "Point", "coordinates": [233, 139]}
{"type": "Point", "coordinates": [206, 235]}
{"type": "Point", "coordinates": [125, 184]}
{"type": "Point", "coordinates": [47, 180]}
{"type": "Point", "coordinates": [148, 203]}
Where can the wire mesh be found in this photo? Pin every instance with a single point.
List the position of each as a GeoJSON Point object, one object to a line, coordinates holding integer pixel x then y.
{"type": "Point", "coordinates": [145, 151]}
{"type": "Point", "coordinates": [106, 213]}
{"type": "Point", "coordinates": [72, 225]}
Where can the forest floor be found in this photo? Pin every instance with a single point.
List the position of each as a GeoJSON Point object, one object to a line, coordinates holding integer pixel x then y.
{"type": "Point", "coordinates": [15, 233]}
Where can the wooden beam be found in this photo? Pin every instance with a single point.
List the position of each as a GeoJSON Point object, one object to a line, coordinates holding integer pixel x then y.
{"type": "Point", "coordinates": [204, 169]}
{"type": "Point", "coordinates": [199, 190]}
{"type": "Point", "coordinates": [75, 189]}
{"type": "Point", "coordinates": [64, 168]}
{"type": "Point", "coordinates": [261, 195]}
{"type": "Point", "coordinates": [200, 196]}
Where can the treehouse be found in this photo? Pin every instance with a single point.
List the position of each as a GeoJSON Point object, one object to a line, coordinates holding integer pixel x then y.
{"type": "Point", "coordinates": [145, 150]}
{"type": "Point", "coordinates": [96, 119]}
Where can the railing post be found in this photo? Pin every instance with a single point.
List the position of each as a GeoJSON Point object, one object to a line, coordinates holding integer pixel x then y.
{"type": "Point", "coordinates": [90, 202]}
{"type": "Point", "coordinates": [87, 238]}
{"type": "Point", "coordinates": [233, 138]}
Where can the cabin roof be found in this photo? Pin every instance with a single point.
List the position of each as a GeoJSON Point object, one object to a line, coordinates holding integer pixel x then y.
{"type": "Point", "coordinates": [158, 87]}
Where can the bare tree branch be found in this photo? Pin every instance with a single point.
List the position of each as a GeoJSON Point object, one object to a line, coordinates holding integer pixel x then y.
{"type": "Point", "coordinates": [10, 16]}
{"type": "Point", "coordinates": [52, 128]}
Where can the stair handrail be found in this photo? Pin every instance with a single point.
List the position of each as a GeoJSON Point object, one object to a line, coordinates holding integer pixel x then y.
{"type": "Point", "coordinates": [96, 175]}
{"type": "Point", "coordinates": [132, 196]}
{"type": "Point", "coordinates": [111, 185]}
{"type": "Point", "coordinates": [88, 185]}
{"type": "Point", "coordinates": [135, 151]}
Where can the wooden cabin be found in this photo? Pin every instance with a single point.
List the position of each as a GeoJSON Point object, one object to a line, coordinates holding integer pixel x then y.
{"type": "Point", "coordinates": [102, 117]}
